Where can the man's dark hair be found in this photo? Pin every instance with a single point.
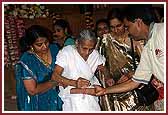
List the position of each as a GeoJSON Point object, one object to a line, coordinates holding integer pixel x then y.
{"type": "Point", "coordinates": [142, 11]}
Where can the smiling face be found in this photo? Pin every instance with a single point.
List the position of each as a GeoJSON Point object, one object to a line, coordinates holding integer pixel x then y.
{"type": "Point", "coordinates": [116, 27]}
{"type": "Point", "coordinates": [41, 45]}
{"type": "Point", "coordinates": [85, 47]}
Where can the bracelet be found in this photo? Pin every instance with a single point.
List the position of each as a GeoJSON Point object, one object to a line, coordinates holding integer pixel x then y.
{"type": "Point", "coordinates": [53, 82]}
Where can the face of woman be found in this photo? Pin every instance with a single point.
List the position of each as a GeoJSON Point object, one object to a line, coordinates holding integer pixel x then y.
{"type": "Point", "coordinates": [41, 45]}
{"type": "Point", "coordinates": [59, 32]}
{"type": "Point", "coordinates": [102, 28]}
{"type": "Point", "coordinates": [116, 27]}
{"type": "Point", "coordinates": [85, 48]}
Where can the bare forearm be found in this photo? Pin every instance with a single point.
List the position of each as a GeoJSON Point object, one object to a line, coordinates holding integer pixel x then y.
{"type": "Point", "coordinates": [63, 80]}
{"type": "Point", "coordinates": [88, 91]}
{"type": "Point", "coordinates": [40, 88]}
{"type": "Point", "coordinates": [123, 87]}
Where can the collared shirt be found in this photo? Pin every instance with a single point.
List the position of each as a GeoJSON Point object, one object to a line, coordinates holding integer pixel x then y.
{"type": "Point", "coordinates": [152, 57]}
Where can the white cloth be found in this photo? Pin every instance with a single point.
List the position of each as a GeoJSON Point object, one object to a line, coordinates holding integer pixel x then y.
{"type": "Point", "coordinates": [74, 67]}
{"type": "Point", "coordinates": [152, 57]}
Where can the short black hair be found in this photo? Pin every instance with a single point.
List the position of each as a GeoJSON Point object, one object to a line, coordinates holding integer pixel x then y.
{"type": "Point", "coordinates": [142, 11]}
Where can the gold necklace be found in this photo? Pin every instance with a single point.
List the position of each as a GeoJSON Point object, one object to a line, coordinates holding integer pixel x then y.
{"type": "Point", "coordinates": [42, 60]}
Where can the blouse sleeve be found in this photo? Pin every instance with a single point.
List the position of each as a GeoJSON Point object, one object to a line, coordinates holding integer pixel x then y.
{"type": "Point", "coordinates": [26, 62]}
{"type": "Point", "coordinates": [61, 59]}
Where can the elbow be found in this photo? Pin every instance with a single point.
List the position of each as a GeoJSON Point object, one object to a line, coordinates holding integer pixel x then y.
{"type": "Point", "coordinates": [32, 92]}
{"type": "Point", "coordinates": [55, 76]}
{"type": "Point", "coordinates": [134, 85]}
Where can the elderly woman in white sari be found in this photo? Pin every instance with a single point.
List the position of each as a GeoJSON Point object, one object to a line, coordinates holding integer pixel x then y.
{"type": "Point", "coordinates": [75, 68]}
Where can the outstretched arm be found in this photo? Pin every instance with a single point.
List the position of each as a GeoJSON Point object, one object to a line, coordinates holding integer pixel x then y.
{"type": "Point", "coordinates": [88, 91]}
{"type": "Point", "coordinates": [123, 87]}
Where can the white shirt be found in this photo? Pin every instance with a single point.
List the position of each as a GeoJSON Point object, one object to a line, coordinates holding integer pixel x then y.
{"type": "Point", "coordinates": [152, 57]}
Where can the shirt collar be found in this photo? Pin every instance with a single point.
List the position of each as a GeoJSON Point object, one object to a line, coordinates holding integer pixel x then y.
{"type": "Point", "coordinates": [150, 31]}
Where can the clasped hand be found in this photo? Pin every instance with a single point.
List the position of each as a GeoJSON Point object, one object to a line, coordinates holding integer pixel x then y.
{"type": "Point", "coordinates": [99, 90]}
{"type": "Point", "coordinates": [82, 83]}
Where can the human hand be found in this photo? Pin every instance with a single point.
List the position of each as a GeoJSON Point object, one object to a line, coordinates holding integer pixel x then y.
{"type": "Point", "coordinates": [82, 83]}
{"type": "Point", "coordinates": [99, 90]}
{"type": "Point", "coordinates": [156, 83]}
{"type": "Point", "coordinates": [101, 68]}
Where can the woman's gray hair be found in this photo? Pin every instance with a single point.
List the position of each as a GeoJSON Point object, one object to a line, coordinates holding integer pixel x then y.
{"type": "Point", "coordinates": [87, 35]}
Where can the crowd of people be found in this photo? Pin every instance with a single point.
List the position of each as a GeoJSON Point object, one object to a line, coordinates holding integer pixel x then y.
{"type": "Point", "coordinates": [93, 71]}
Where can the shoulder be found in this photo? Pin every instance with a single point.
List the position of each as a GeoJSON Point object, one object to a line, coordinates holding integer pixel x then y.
{"type": "Point", "coordinates": [69, 41]}
{"type": "Point", "coordinates": [158, 32]}
{"type": "Point", "coordinates": [67, 49]}
{"type": "Point", "coordinates": [27, 57]}
{"type": "Point", "coordinates": [158, 28]}
{"type": "Point", "coordinates": [159, 25]}
{"type": "Point", "coordinates": [54, 46]}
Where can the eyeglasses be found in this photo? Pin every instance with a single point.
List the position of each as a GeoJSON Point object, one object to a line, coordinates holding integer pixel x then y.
{"type": "Point", "coordinates": [117, 26]}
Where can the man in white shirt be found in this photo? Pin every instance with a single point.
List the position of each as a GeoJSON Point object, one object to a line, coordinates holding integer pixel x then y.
{"type": "Point", "coordinates": [139, 22]}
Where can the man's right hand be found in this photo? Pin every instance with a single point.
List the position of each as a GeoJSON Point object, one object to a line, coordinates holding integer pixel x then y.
{"type": "Point", "coordinates": [100, 90]}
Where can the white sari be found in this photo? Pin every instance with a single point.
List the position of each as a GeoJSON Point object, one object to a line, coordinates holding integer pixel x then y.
{"type": "Point", "coordinates": [74, 67]}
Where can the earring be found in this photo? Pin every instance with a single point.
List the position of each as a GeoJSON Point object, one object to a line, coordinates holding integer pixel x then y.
{"type": "Point", "coordinates": [32, 49]}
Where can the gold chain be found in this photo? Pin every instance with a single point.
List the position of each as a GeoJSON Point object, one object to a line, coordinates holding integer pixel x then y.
{"type": "Point", "coordinates": [42, 60]}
